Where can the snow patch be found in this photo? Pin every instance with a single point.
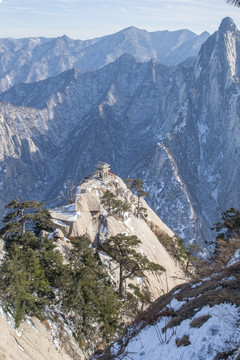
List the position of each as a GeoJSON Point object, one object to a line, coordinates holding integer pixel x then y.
{"type": "Point", "coordinates": [59, 222]}
{"type": "Point", "coordinates": [230, 278]}
{"type": "Point", "coordinates": [205, 342]}
{"type": "Point", "coordinates": [30, 322]}
{"type": "Point", "coordinates": [128, 224]}
{"type": "Point", "coordinates": [10, 320]}
{"type": "Point", "coordinates": [234, 259]}
{"type": "Point", "coordinates": [176, 305]}
{"type": "Point", "coordinates": [196, 285]}
{"type": "Point", "coordinates": [74, 216]}
{"type": "Point", "coordinates": [17, 343]}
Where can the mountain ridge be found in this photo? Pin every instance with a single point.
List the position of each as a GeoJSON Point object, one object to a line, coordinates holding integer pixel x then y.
{"type": "Point", "coordinates": [148, 120]}
{"type": "Point", "coordinates": [33, 59]}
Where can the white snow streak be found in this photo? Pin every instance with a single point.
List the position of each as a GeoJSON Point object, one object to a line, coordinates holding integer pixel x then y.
{"type": "Point", "coordinates": [177, 176]}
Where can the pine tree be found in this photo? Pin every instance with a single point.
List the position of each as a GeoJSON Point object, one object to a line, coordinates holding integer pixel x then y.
{"type": "Point", "coordinates": [229, 226]}
{"type": "Point", "coordinates": [136, 299]}
{"type": "Point", "coordinates": [228, 233]}
{"type": "Point", "coordinates": [42, 221]}
{"type": "Point", "coordinates": [108, 199]}
{"type": "Point", "coordinates": [138, 187]}
{"type": "Point", "coordinates": [88, 293]}
{"type": "Point", "coordinates": [115, 206]}
{"type": "Point", "coordinates": [51, 261]}
{"type": "Point", "coordinates": [22, 217]}
{"type": "Point", "coordinates": [24, 289]}
{"type": "Point", "coordinates": [31, 267]}
{"type": "Point", "coordinates": [122, 249]}
{"type": "Point", "coordinates": [234, 2]}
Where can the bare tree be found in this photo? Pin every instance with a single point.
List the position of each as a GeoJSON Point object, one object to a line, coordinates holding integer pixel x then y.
{"type": "Point", "coordinates": [69, 192]}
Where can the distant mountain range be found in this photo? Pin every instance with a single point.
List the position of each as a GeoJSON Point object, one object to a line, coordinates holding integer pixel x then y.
{"type": "Point", "coordinates": [176, 127]}
{"type": "Point", "coordinates": [32, 59]}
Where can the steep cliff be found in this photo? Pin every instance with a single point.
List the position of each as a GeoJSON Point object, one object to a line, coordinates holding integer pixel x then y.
{"type": "Point", "coordinates": [89, 216]}
{"type": "Point", "coordinates": [36, 340]}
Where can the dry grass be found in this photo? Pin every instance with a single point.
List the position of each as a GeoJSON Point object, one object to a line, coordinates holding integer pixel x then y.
{"type": "Point", "coordinates": [198, 322]}
{"type": "Point", "coordinates": [212, 292]}
{"type": "Point", "coordinates": [227, 250]}
{"type": "Point", "coordinates": [46, 323]}
{"type": "Point", "coordinates": [224, 355]}
{"type": "Point", "coordinates": [223, 286]}
{"type": "Point", "coordinates": [184, 341]}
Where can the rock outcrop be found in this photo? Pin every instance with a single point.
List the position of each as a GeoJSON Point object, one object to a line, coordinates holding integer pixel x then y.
{"type": "Point", "coordinates": [35, 340]}
{"type": "Point", "coordinates": [88, 216]}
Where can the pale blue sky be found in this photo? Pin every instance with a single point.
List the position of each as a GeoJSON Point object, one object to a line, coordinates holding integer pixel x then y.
{"type": "Point", "coordinates": [85, 19]}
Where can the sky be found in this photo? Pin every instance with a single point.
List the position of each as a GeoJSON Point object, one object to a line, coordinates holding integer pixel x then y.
{"type": "Point", "coordinates": [87, 19]}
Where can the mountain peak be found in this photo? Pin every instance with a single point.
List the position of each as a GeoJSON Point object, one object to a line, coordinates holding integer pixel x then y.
{"type": "Point", "coordinates": [223, 42]}
{"type": "Point", "coordinates": [133, 29]}
{"type": "Point", "coordinates": [205, 34]}
{"type": "Point", "coordinates": [227, 24]}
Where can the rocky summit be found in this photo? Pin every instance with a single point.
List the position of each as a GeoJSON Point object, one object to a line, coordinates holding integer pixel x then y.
{"type": "Point", "coordinates": [89, 216]}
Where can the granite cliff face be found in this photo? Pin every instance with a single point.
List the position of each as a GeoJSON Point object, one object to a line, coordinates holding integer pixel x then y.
{"type": "Point", "coordinates": [88, 216]}
{"type": "Point", "coordinates": [36, 340]}
{"type": "Point", "coordinates": [177, 128]}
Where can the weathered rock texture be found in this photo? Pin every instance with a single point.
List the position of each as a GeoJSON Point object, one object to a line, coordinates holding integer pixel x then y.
{"type": "Point", "coordinates": [33, 340]}
{"type": "Point", "coordinates": [88, 216]}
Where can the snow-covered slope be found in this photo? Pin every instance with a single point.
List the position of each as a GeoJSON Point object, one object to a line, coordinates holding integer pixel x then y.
{"type": "Point", "coordinates": [32, 59]}
{"type": "Point", "coordinates": [199, 320]}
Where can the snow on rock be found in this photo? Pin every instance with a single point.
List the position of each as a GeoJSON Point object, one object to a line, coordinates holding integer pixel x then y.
{"type": "Point", "coordinates": [235, 258]}
{"type": "Point", "coordinates": [176, 305]}
{"type": "Point", "coordinates": [31, 341]}
{"type": "Point", "coordinates": [31, 323]}
{"type": "Point", "coordinates": [88, 216]}
{"type": "Point", "coordinates": [17, 343]}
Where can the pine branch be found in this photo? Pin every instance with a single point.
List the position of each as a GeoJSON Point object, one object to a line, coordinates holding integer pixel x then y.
{"type": "Point", "coordinates": [234, 2]}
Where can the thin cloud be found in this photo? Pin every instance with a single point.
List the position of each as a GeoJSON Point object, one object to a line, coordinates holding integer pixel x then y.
{"type": "Point", "coordinates": [94, 18]}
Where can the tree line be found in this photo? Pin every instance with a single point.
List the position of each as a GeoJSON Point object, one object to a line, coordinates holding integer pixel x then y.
{"type": "Point", "coordinates": [34, 275]}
